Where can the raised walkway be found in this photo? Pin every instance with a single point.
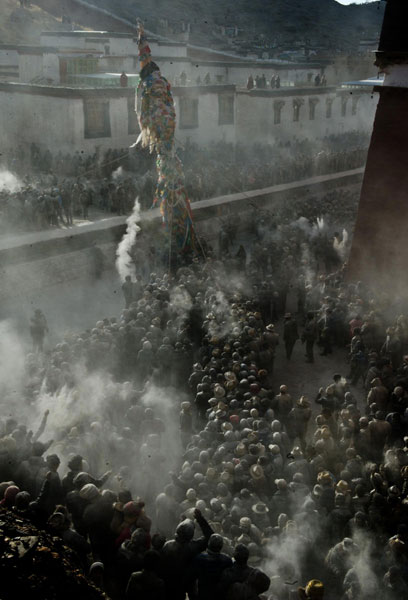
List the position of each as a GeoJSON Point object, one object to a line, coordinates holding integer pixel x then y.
{"type": "Point", "coordinates": [202, 210]}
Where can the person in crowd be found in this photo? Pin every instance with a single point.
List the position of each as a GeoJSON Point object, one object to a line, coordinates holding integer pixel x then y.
{"type": "Point", "coordinates": [38, 329]}
{"type": "Point", "coordinates": [309, 336]}
{"type": "Point", "coordinates": [128, 289]}
{"type": "Point", "coordinates": [290, 334]}
{"type": "Point", "coordinates": [282, 492]}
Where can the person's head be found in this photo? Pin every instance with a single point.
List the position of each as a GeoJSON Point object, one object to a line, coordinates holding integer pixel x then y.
{"type": "Point", "coordinates": [10, 495]}
{"type": "Point", "coordinates": [89, 492]}
{"type": "Point", "coordinates": [81, 479]}
{"type": "Point", "coordinates": [185, 531]}
{"type": "Point", "coordinates": [75, 463]}
{"type": "Point", "coordinates": [56, 521]}
{"type": "Point", "coordinates": [151, 561]}
{"type": "Point", "coordinates": [22, 500]}
{"type": "Point", "coordinates": [158, 541]}
{"type": "Point", "coordinates": [241, 554]}
{"type": "Point", "coordinates": [53, 462]}
{"type": "Point", "coordinates": [215, 543]}
{"type": "Point", "coordinates": [259, 581]}
{"type": "Point", "coordinates": [96, 573]}
{"type": "Point", "coordinates": [314, 590]}
{"type": "Point", "coordinates": [132, 511]}
{"type": "Point", "coordinates": [140, 540]}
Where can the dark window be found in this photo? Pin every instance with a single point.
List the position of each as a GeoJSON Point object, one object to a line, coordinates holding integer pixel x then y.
{"type": "Point", "coordinates": [188, 113]}
{"type": "Point", "coordinates": [312, 108]}
{"type": "Point", "coordinates": [132, 117]}
{"type": "Point", "coordinates": [354, 103]}
{"type": "Point", "coordinates": [225, 110]}
{"type": "Point", "coordinates": [344, 106]}
{"type": "Point", "coordinates": [277, 111]}
{"type": "Point", "coordinates": [297, 104]}
{"type": "Point", "coordinates": [329, 105]}
{"type": "Point", "coordinates": [97, 118]}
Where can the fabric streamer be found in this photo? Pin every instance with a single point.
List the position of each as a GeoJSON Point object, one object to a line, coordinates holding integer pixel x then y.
{"type": "Point", "coordinates": [157, 120]}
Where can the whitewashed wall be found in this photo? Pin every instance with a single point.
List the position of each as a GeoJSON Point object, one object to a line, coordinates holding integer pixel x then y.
{"type": "Point", "coordinates": [255, 117]}
{"type": "Point", "coordinates": [30, 67]}
{"type": "Point", "coordinates": [208, 129]}
{"type": "Point", "coordinates": [8, 57]}
{"type": "Point", "coordinates": [58, 123]}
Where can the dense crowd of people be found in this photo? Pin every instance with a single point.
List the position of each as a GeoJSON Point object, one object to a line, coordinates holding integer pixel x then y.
{"type": "Point", "coordinates": [174, 462]}
{"type": "Point", "coordinates": [66, 187]}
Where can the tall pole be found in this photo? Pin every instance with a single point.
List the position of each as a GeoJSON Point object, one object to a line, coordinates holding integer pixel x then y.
{"type": "Point", "coordinates": [379, 253]}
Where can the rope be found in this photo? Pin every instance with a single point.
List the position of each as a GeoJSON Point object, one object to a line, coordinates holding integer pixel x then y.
{"type": "Point", "coordinates": [171, 233]}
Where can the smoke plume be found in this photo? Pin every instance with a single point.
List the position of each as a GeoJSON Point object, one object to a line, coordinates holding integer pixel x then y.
{"type": "Point", "coordinates": [124, 264]}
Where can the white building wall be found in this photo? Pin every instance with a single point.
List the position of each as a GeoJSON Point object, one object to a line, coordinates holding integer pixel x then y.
{"type": "Point", "coordinates": [57, 123]}
{"type": "Point", "coordinates": [51, 67]}
{"type": "Point", "coordinates": [163, 49]}
{"type": "Point", "coordinates": [255, 117]}
{"type": "Point", "coordinates": [172, 70]}
{"type": "Point", "coordinates": [8, 57]}
{"type": "Point", "coordinates": [30, 67]}
{"type": "Point", "coordinates": [63, 41]}
{"type": "Point", "coordinates": [122, 46]}
{"type": "Point", "coordinates": [208, 129]}
{"type": "Point", "coordinates": [117, 64]}
{"type": "Point", "coordinates": [119, 128]}
{"type": "Point", "coordinates": [33, 118]}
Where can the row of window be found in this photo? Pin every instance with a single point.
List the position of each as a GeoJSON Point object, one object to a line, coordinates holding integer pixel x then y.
{"type": "Point", "coordinates": [298, 103]}
{"type": "Point", "coordinates": [97, 117]}
{"type": "Point", "coordinates": [188, 111]}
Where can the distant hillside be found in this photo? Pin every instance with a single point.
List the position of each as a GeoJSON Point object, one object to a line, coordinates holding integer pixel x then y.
{"type": "Point", "coordinates": [262, 25]}
{"type": "Point", "coordinates": [318, 22]}
{"type": "Point", "coordinates": [23, 26]}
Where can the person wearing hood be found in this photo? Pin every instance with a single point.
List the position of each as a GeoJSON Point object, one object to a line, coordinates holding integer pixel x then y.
{"type": "Point", "coordinates": [145, 360]}
{"type": "Point", "coordinates": [51, 492]}
{"type": "Point", "coordinates": [208, 567]}
{"type": "Point", "coordinates": [134, 517]}
{"type": "Point", "coordinates": [60, 525]}
{"type": "Point", "coordinates": [237, 573]}
{"type": "Point", "coordinates": [257, 583]}
{"type": "Point", "coordinates": [75, 467]}
{"type": "Point", "coordinates": [147, 582]}
{"type": "Point", "coordinates": [9, 497]}
{"type": "Point", "coordinates": [179, 553]}
{"type": "Point", "coordinates": [129, 558]}
{"type": "Point", "coordinates": [96, 518]}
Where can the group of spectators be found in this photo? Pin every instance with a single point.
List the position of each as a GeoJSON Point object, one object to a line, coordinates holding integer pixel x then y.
{"type": "Point", "coordinates": [293, 496]}
{"type": "Point", "coordinates": [66, 187]}
{"type": "Point", "coordinates": [260, 82]}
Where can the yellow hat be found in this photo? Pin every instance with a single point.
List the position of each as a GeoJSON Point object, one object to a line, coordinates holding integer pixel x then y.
{"type": "Point", "coordinates": [314, 589]}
